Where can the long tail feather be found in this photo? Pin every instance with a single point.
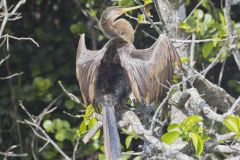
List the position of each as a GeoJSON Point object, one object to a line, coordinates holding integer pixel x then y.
{"type": "Point", "coordinates": [111, 137]}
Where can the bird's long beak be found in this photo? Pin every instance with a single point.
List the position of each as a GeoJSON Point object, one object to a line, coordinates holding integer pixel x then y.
{"type": "Point", "coordinates": [124, 10]}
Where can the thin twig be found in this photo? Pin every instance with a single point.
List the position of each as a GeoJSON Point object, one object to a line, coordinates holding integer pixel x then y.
{"type": "Point", "coordinates": [149, 35]}
{"type": "Point", "coordinates": [70, 95]}
{"type": "Point", "coordinates": [132, 153]}
{"type": "Point", "coordinates": [148, 18]}
{"type": "Point", "coordinates": [26, 111]}
{"type": "Point", "coordinates": [7, 36]}
{"type": "Point", "coordinates": [73, 116]}
{"type": "Point", "coordinates": [75, 149]}
{"type": "Point", "coordinates": [156, 115]}
{"type": "Point", "coordinates": [4, 59]}
{"type": "Point", "coordinates": [221, 73]}
{"type": "Point", "coordinates": [192, 50]}
{"type": "Point", "coordinates": [47, 137]}
{"type": "Point", "coordinates": [215, 61]}
{"type": "Point", "coordinates": [143, 22]}
{"type": "Point", "coordinates": [193, 10]}
{"type": "Point", "coordinates": [11, 76]}
{"type": "Point", "coordinates": [234, 107]}
{"type": "Point", "coordinates": [203, 40]}
{"type": "Point", "coordinates": [40, 149]}
{"type": "Point", "coordinates": [8, 153]}
{"type": "Point", "coordinates": [5, 9]}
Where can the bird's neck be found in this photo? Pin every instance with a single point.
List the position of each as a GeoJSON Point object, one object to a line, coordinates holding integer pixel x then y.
{"type": "Point", "coordinates": [120, 28]}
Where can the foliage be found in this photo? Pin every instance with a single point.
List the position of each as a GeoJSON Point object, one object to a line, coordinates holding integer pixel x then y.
{"type": "Point", "coordinates": [232, 122]}
{"type": "Point", "coordinates": [188, 130]}
{"type": "Point", "coordinates": [88, 122]}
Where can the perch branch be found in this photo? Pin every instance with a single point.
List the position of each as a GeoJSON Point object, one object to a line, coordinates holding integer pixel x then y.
{"type": "Point", "coordinates": [92, 132]}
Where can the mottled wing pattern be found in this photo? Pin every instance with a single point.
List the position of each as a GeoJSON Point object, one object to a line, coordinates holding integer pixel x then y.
{"type": "Point", "coordinates": [150, 70]}
{"type": "Point", "coordinates": [87, 62]}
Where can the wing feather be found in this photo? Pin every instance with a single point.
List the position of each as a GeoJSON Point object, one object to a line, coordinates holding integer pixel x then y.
{"type": "Point", "coordinates": [87, 62]}
{"type": "Point", "coordinates": [150, 70]}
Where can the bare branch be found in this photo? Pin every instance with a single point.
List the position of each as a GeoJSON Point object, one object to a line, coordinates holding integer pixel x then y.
{"type": "Point", "coordinates": [4, 59]}
{"type": "Point", "coordinates": [143, 22]}
{"type": "Point", "coordinates": [4, 22]}
{"type": "Point", "coordinates": [70, 95]}
{"type": "Point", "coordinates": [73, 116]}
{"type": "Point", "coordinates": [9, 153]}
{"type": "Point", "coordinates": [75, 149]}
{"type": "Point", "coordinates": [7, 36]}
{"type": "Point", "coordinates": [202, 40]}
{"type": "Point", "coordinates": [46, 136]}
{"type": "Point", "coordinates": [6, 14]}
{"type": "Point", "coordinates": [221, 73]}
{"type": "Point", "coordinates": [11, 76]}
{"type": "Point", "coordinates": [193, 10]}
{"type": "Point", "coordinates": [192, 50]}
{"type": "Point", "coordinates": [148, 18]}
{"type": "Point", "coordinates": [92, 132]}
{"type": "Point", "coordinates": [235, 107]}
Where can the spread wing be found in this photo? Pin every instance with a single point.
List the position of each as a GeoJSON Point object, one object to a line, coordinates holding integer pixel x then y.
{"type": "Point", "coordinates": [87, 62]}
{"type": "Point", "coordinates": [150, 70]}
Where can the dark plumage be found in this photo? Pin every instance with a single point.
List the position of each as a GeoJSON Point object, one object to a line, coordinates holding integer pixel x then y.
{"type": "Point", "coordinates": [107, 75]}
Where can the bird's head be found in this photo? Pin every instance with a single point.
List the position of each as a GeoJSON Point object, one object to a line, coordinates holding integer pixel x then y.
{"type": "Point", "coordinates": [113, 27]}
{"type": "Point", "coordinates": [112, 13]}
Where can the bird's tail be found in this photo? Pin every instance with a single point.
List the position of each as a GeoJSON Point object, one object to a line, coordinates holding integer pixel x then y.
{"type": "Point", "coordinates": [111, 137]}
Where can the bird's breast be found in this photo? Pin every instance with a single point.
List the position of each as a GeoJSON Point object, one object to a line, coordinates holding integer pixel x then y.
{"type": "Point", "coordinates": [111, 78]}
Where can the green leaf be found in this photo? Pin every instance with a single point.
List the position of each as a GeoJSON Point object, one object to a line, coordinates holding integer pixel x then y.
{"type": "Point", "coordinates": [101, 157]}
{"type": "Point", "coordinates": [207, 49]}
{"type": "Point", "coordinates": [170, 137]}
{"type": "Point", "coordinates": [215, 41]}
{"type": "Point", "coordinates": [207, 18]}
{"type": "Point", "coordinates": [69, 103]}
{"type": "Point", "coordinates": [58, 124]}
{"type": "Point", "coordinates": [82, 128]}
{"type": "Point", "coordinates": [126, 3]}
{"type": "Point", "coordinates": [97, 135]}
{"type": "Point", "coordinates": [89, 111]}
{"type": "Point", "coordinates": [65, 124]}
{"type": "Point", "coordinates": [185, 26]}
{"type": "Point", "coordinates": [91, 123]}
{"type": "Point", "coordinates": [75, 28]}
{"type": "Point", "coordinates": [238, 122]}
{"type": "Point", "coordinates": [41, 84]}
{"type": "Point", "coordinates": [146, 2]}
{"type": "Point", "coordinates": [128, 141]}
{"type": "Point", "coordinates": [192, 120]}
{"type": "Point", "coordinates": [141, 18]}
{"type": "Point", "coordinates": [231, 123]}
{"type": "Point", "coordinates": [222, 18]}
{"type": "Point", "coordinates": [198, 13]}
{"type": "Point", "coordinates": [205, 137]}
{"type": "Point", "coordinates": [173, 127]}
{"type": "Point", "coordinates": [48, 126]}
{"type": "Point", "coordinates": [196, 129]}
{"type": "Point", "coordinates": [60, 136]}
{"type": "Point", "coordinates": [185, 59]}
{"type": "Point", "coordinates": [197, 143]}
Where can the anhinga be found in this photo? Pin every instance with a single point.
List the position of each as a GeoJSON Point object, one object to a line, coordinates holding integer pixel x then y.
{"type": "Point", "coordinates": [107, 76]}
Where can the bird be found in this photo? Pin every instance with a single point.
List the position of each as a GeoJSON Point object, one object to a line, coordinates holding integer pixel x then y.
{"type": "Point", "coordinates": [107, 76]}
